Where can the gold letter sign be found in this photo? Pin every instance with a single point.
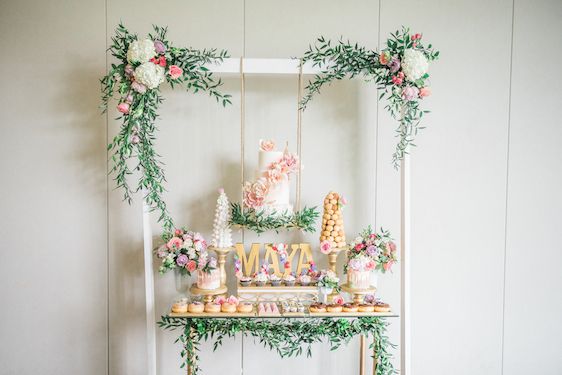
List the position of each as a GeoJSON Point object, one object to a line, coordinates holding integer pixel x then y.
{"type": "Point", "coordinates": [250, 262]}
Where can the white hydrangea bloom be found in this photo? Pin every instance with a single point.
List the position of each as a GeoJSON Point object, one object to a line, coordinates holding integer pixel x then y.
{"type": "Point", "coordinates": [414, 65]}
{"type": "Point", "coordinates": [150, 75]}
{"type": "Point", "coordinates": [141, 51]}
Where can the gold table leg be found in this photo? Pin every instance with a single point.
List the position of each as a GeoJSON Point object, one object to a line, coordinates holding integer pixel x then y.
{"type": "Point", "coordinates": [362, 355]}
{"type": "Point", "coordinates": [374, 356]}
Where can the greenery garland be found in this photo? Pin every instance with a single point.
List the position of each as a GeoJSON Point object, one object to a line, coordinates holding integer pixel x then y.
{"type": "Point", "coordinates": [143, 65]}
{"type": "Point", "coordinates": [288, 337]}
{"type": "Point", "coordinates": [260, 221]}
{"type": "Point", "coordinates": [400, 71]}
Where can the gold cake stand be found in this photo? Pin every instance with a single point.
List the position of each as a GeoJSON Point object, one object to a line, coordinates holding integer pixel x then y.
{"type": "Point", "coordinates": [358, 294]}
{"type": "Point", "coordinates": [222, 252]}
{"type": "Point", "coordinates": [208, 294]}
{"type": "Point", "coordinates": [332, 261]}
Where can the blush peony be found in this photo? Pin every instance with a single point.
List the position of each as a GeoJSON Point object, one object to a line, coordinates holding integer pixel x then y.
{"type": "Point", "coordinates": [175, 71]}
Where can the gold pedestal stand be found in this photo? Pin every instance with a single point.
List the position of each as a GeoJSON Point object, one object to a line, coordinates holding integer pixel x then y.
{"type": "Point", "coordinates": [208, 294]}
{"type": "Point", "coordinates": [358, 294]}
{"type": "Point", "coordinates": [222, 252]}
{"type": "Point", "coordinates": [332, 261]}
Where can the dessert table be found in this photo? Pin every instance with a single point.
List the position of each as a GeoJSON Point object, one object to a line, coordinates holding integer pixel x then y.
{"type": "Point", "coordinates": [290, 335]}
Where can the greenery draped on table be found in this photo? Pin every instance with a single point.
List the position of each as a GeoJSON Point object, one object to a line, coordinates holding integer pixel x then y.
{"type": "Point", "coordinates": [289, 337]}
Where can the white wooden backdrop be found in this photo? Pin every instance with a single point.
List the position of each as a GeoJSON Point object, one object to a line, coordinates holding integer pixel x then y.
{"type": "Point", "coordinates": [484, 178]}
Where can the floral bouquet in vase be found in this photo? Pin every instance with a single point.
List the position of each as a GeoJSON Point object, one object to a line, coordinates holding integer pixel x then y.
{"type": "Point", "coordinates": [370, 251]}
{"type": "Point", "coordinates": [328, 281]}
{"type": "Point", "coordinates": [186, 252]}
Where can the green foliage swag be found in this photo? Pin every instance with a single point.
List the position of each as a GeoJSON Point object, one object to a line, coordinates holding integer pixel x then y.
{"type": "Point", "coordinates": [288, 337]}
{"type": "Point", "coordinates": [403, 92]}
{"type": "Point", "coordinates": [260, 222]}
{"type": "Point", "coordinates": [138, 130]}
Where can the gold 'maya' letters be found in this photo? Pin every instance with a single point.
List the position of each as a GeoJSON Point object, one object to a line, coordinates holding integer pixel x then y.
{"type": "Point", "coordinates": [251, 264]}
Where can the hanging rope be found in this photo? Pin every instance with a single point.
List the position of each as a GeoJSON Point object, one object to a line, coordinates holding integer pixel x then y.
{"type": "Point", "coordinates": [242, 128]}
{"type": "Point", "coordinates": [299, 136]}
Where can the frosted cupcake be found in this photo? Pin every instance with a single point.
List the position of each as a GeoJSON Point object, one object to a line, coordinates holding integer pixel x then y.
{"type": "Point", "coordinates": [305, 280]}
{"type": "Point", "coordinates": [289, 280]}
{"type": "Point", "coordinates": [275, 280]}
{"type": "Point", "coordinates": [245, 281]}
{"type": "Point", "coordinates": [261, 279]}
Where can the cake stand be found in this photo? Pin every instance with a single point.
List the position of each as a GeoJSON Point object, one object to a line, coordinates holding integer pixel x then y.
{"type": "Point", "coordinates": [358, 294]}
{"type": "Point", "coordinates": [222, 252]}
{"type": "Point", "coordinates": [208, 294]}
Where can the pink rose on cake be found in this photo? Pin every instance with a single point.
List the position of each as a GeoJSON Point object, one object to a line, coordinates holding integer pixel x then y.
{"type": "Point", "coordinates": [326, 247]}
{"type": "Point", "coordinates": [267, 145]}
{"type": "Point", "coordinates": [255, 193]}
{"type": "Point", "coordinates": [290, 161]}
{"type": "Point", "coordinates": [274, 176]}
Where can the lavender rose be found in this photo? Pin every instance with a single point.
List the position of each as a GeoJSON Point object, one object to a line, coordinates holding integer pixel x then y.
{"type": "Point", "coordinates": [159, 47]}
{"type": "Point", "coordinates": [394, 65]}
{"type": "Point", "coordinates": [182, 260]}
{"type": "Point", "coordinates": [371, 250]}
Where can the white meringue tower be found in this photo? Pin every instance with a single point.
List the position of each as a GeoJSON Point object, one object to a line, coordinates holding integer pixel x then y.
{"type": "Point", "coordinates": [222, 237]}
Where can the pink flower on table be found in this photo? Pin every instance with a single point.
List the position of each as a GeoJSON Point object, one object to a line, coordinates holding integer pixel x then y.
{"type": "Point", "coordinates": [123, 107]}
{"type": "Point", "coordinates": [425, 91]}
{"type": "Point", "coordinates": [391, 247]}
{"type": "Point", "coordinates": [387, 266]}
{"type": "Point", "coordinates": [255, 193]}
{"type": "Point", "coordinates": [220, 300]}
{"type": "Point", "coordinates": [326, 247]}
{"type": "Point", "coordinates": [394, 66]}
{"type": "Point", "coordinates": [233, 300]}
{"type": "Point", "coordinates": [162, 252]}
{"type": "Point", "coordinates": [175, 71]}
{"type": "Point", "coordinates": [191, 266]}
{"type": "Point", "coordinates": [370, 265]}
{"type": "Point", "coordinates": [182, 260]}
{"type": "Point", "coordinates": [174, 242]}
{"type": "Point", "coordinates": [177, 232]}
{"type": "Point", "coordinates": [410, 93]}
{"type": "Point", "coordinates": [267, 145]}
{"type": "Point", "coordinates": [359, 246]}
{"type": "Point", "coordinates": [371, 250]}
{"type": "Point", "coordinates": [338, 300]}
{"type": "Point", "coordinates": [397, 80]}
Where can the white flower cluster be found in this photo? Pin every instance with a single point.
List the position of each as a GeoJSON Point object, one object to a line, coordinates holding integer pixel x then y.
{"type": "Point", "coordinates": [221, 231]}
{"type": "Point", "coordinates": [141, 51]}
{"type": "Point", "coordinates": [414, 64]}
{"type": "Point", "coordinates": [149, 74]}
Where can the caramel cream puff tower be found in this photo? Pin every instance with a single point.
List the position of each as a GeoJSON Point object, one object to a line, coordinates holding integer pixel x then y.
{"type": "Point", "coordinates": [332, 221]}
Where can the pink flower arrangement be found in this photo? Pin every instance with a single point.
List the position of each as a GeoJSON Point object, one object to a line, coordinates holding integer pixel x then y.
{"type": "Point", "coordinates": [425, 92]}
{"type": "Point", "coordinates": [370, 251]}
{"type": "Point", "coordinates": [338, 300]}
{"type": "Point", "coordinates": [186, 251]}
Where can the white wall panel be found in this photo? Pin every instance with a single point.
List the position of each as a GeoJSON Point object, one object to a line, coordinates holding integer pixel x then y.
{"type": "Point", "coordinates": [533, 306]}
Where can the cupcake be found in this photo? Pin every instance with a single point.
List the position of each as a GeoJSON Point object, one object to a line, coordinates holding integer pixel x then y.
{"type": "Point", "coordinates": [289, 280]}
{"type": "Point", "coordinates": [275, 280]}
{"type": "Point", "coordinates": [261, 279]}
{"type": "Point", "coordinates": [245, 281]}
{"type": "Point", "coordinates": [305, 280]}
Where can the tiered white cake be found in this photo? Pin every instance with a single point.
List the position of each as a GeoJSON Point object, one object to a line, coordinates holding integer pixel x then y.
{"type": "Point", "coordinates": [278, 196]}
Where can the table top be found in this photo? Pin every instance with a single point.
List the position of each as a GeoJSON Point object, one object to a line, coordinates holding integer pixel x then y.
{"type": "Point", "coordinates": [291, 315]}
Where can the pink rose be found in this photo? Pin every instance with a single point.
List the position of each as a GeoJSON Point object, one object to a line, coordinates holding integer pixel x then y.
{"type": "Point", "coordinates": [326, 247]}
{"type": "Point", "coordinates": [359, 246]}
{"type": "Point", "coordinates": [370, 265]}
{"type": "Point", "coordinates": [174, 242]}
{"type": "Point", "coordinates": [425, 91]}
{"type": "Point", "coordinates": [191, 266]}
{"type": "Point", "coordinates": [175, 71]}
{"type": "Point", "coordinates": [391, 246]}
{"type": "Point", "coordinates": [338, 300]}
{"type": "Point", "coordinates": [387, 266]}
{"type": "Point", "coordinates": [123, 107]}
{"type": "Point", "coordinates": [267, 145]}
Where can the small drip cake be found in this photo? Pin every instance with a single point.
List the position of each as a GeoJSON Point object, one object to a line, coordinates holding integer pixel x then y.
{"type": "Point", "coordinates": [209, 280]}
{"type": "Point", "coordinates": [358, 279]}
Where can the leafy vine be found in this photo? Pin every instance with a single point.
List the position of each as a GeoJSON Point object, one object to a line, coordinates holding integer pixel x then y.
{"type": "Point", "coordinates": [288, 337]}
{"type": "Point", "coordinates": [399, 70]}
{"type": "Point", "coordinates": [143, 65]}
{"type": "Point", "coordinates": [261, 221]}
